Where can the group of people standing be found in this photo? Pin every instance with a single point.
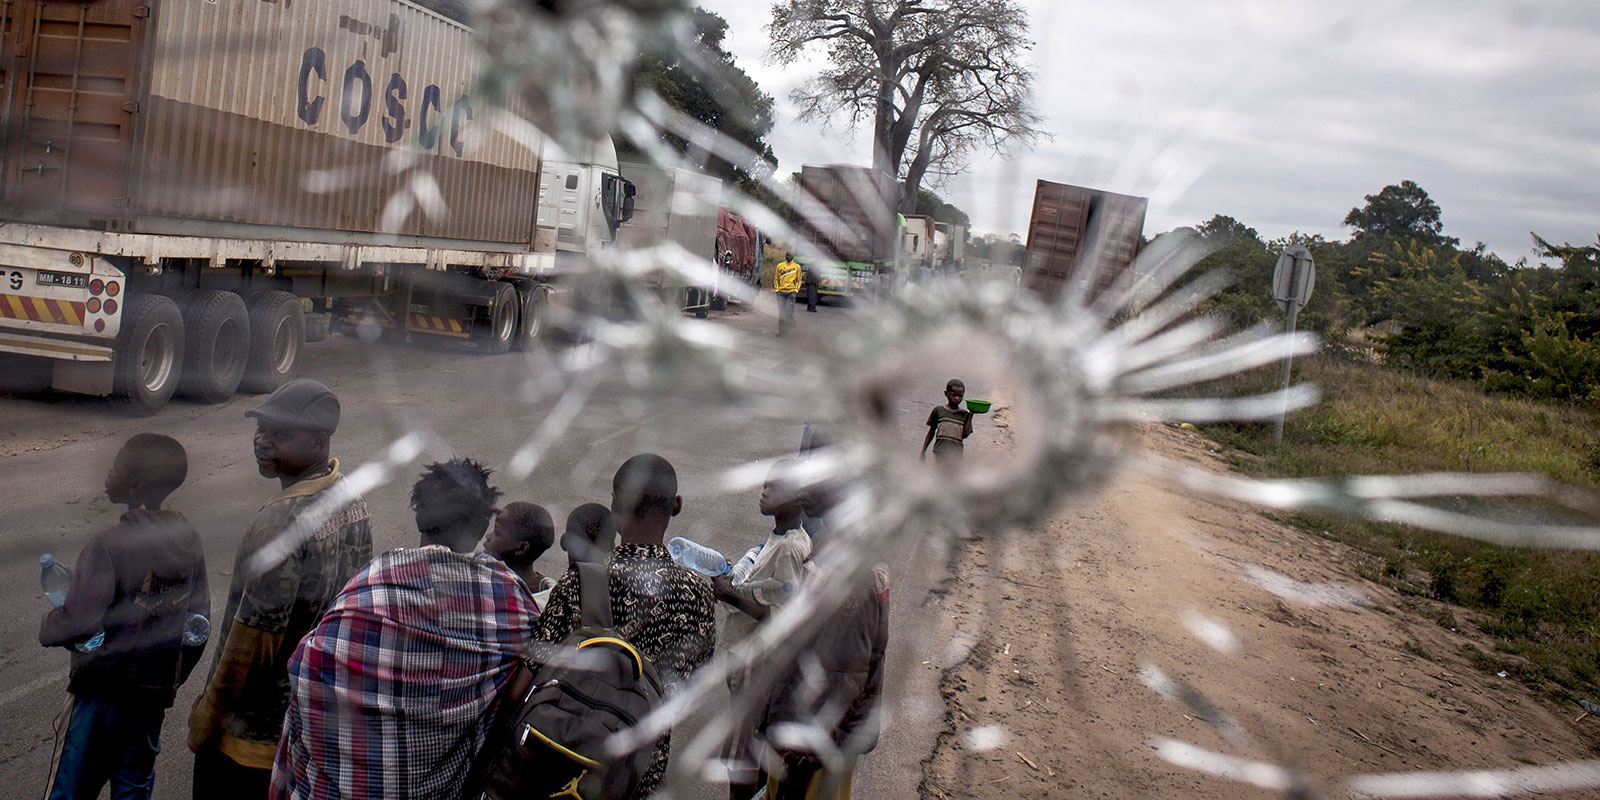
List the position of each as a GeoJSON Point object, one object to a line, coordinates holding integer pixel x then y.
{"type": "Point", "coordinates": [335, 674]}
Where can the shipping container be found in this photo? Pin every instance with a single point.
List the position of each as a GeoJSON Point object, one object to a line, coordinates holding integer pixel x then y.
{"type": "Point", "coordinates": [315, 122]}
{"type": "Point", "coordinates": [1080, 236]}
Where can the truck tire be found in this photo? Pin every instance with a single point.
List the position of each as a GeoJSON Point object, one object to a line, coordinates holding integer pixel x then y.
{"type": "Point", "coordinates": [277, 329]}
{"type": "Point", "coordinates": [216, 345]}
{"type": "Point", "coordinates": [530, 321]}
{"type": "Point", "coordinates": [148, 354]}
{"type": "Point", "coordinates": [502, 328]}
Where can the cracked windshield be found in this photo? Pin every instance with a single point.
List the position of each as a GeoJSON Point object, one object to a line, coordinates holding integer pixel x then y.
{"type": "Point", "coordinates": [812, 399]}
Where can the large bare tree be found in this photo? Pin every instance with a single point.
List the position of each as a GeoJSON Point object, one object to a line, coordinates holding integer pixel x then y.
{"type": "Point", "coordinates": [937, 78]}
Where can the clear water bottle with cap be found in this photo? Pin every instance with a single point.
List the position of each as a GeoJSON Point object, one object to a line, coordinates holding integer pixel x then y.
{"type": "Point", "coordinates": [196, 630]}
{"type": "Point", "coordinates": [746, 563]}
{"type": "Point", "coordinates": [56, 579]}
{"type": "Point", "coordinates": [696, 556]}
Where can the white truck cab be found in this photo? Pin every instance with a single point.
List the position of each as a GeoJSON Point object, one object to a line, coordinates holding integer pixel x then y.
{"type": "Point", "coordinates": [584, 199]}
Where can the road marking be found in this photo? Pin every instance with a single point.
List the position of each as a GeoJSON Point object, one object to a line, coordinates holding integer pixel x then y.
{"type": "Point", "coordinates": [29, 688]}
{"type": "Point", "coordinates": [626, 429]}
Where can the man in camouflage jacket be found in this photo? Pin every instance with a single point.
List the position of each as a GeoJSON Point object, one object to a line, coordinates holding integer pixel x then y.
{"type": "Point", "coordinates": [300, 550]}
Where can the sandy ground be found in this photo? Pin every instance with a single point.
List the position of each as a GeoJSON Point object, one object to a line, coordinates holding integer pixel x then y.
{"type": "Point", "coordinates": [1142, 614]}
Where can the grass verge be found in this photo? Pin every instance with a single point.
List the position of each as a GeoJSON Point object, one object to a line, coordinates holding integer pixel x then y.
{"type": "Point", "coordinates": [1542, 607]}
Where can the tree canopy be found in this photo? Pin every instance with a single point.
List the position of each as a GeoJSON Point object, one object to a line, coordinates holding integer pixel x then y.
{"type": "Point", "coordinates": [1400, 210]}
{"type": "Point", "coordinates": [1428, 304]}
{"type": "Point", "coordinates": [704, 83]}
{"type": "Point", "coordinates": [936, 79]}
{"type": "Point", "coordinates": [932, 205]}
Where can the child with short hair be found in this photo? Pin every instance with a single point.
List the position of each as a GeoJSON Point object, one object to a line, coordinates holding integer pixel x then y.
{"type": "Point", "coordinates": [521, 533]}
{"type": "Point", "coordinates": [778, 570]}
{"type": "Point", "coordinates": [589, 535]}
{"type": "Point", "coordinates": [138, 581]}
{"type": "Point", "coordinates": [948, 425]}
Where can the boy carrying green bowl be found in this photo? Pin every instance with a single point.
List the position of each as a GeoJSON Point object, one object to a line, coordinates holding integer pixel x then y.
{"type": "Point", "coordinates": [948, 425]}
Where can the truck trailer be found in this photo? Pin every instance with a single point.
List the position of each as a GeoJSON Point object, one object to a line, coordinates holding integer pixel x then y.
{"type": "Point", "coordinates": [190, 191]}
{"type": "Point", "coordinates": [848, 223]}
{"type": "Point", "coordinates": [675, 206]}
{"type": "Point", "coordinates": [1081, 238]}
{"type": "Point", "coordinates": [739, 247]}
{"type": "Point", "coordinates": [949, 247]}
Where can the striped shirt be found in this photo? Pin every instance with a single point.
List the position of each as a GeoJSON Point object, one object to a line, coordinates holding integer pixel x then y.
{"type": "Point", "coordinates": [390, 694]}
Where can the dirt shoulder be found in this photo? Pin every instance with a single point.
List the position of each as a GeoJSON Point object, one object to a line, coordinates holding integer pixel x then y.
{"type": "Point", "coordinates": [1284, 653]}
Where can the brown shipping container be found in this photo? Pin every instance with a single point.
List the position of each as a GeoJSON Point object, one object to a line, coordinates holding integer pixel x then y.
{"type": "Point", "coordinates": [219, 118]}
{"type": "Point", "coordinates": [1068, 226]}
{"type": "Point", "coordinates": [848, 212]}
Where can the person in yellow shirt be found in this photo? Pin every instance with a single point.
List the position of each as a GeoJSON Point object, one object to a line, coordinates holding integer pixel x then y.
{"type": "Point", "coordinates": [786, 282]}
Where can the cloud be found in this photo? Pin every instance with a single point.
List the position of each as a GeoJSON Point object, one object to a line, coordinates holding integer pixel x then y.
{"type": "Point", "coordinates": [1285, 114]}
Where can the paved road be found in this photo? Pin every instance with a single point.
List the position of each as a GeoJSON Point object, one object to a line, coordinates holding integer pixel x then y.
{"type": "Point", "coordinates": [54, 450]}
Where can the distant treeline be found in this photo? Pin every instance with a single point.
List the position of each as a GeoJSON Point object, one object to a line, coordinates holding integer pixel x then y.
{"type": "Point", "coordinates": [1425, 303]}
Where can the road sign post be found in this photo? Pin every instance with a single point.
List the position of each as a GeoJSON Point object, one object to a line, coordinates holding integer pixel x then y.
{"type": "Point", "coordinates": [1292, 280]}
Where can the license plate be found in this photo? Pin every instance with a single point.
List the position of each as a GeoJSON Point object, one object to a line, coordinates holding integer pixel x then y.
{"type": "Point", "coordinates": [66, 279]}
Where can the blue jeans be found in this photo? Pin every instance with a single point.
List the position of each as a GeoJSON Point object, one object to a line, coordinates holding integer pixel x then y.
{"type": "Point", "coordinates": [99, 741]}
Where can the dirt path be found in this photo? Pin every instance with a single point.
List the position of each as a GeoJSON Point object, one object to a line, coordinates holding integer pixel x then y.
{"type": "Point", "coordinates": [1285, 655]}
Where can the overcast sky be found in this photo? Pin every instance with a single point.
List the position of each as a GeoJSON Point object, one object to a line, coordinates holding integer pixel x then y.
{"type": "Point", "coordinates": [1283, 113]}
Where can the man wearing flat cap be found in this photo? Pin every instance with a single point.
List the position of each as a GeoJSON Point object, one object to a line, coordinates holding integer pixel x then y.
{"type": "Point", "coordinates": [301, 548]}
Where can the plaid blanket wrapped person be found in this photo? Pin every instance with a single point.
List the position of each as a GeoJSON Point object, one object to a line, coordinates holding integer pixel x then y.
{"type": "Point", "coordinates": [390, 693]}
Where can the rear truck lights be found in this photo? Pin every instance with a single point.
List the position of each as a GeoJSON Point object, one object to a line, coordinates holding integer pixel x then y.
{"type": "Point", "coordinates": [94, 305]}
{"type": "Point", "coordinates": [111, 306]}
{"type": "Point", "coordinates": [99, 326]}
{"type": "Point", "coordinates": [112, 287]}
{"type": "Point", "coordinates": [97, 286]}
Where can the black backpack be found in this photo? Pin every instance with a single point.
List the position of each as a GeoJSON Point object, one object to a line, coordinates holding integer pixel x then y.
{"type": "Point", "coordinates": [562, 704]}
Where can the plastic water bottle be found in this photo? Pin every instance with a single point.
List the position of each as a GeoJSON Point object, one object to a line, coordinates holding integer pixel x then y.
{"type": "Point", "coordinates": [56, 579]}
{"type": "Point", "coordinates": [196, 630]}
{"type": "Point", "coordinates": [697, 557]}
{"type": "Point", "coordinates": [746, 563]}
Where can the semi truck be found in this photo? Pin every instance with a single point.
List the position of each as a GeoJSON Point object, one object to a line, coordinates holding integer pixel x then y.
{"type": "Point", "coordinates": [848, 226]}
{"type": "Point", "coordinates": [191, 191]}
{"type": "Point", "coordinates": [1082, 238]}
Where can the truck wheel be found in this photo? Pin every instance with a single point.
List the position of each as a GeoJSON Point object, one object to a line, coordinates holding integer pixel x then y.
{"type": "Point", "coordinates": [502, 320]}
{"type": "Point", "coordinates": [217, 345]}
{"type": "Point", "coordinates": [531, 319]}
{"type": "Point", "coordinates": [148, 354]}
{"type": "Point", "coordinates": [277, 329]}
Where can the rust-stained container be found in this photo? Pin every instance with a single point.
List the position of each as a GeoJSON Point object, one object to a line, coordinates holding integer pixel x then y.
{"type": "Point", "coordinates": [343, 120]}
{"type": "Point", "coordinates": [848, 212]}
{"type": "Point", "coordinates": [1072, 224]}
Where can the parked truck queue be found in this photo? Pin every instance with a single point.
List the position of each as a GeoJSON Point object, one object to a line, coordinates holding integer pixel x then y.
{"type": "Point", "coordinates": [187, 198]}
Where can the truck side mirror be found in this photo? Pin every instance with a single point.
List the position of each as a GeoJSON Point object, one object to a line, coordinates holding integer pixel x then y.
{"type": "Point", "coordinates": [628, 193]}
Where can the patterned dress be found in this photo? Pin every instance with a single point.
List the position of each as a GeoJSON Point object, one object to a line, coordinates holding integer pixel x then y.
{"type": "Point", "coordinates": [664, 610]}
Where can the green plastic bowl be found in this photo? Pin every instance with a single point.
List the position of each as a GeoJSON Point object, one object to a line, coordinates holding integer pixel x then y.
{"type": "Point", "coordinates": [978, 406]}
